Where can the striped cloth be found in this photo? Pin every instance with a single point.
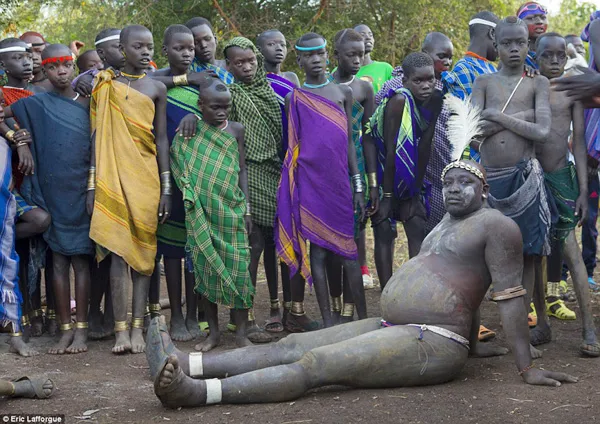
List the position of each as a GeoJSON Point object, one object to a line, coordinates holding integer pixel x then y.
{"type": "Point", "coordinates": [206, 169]}
{"type": "Point", "coordinates": [197, 66]}
{"type": "Point", "coordinates": [592, 116]}
{"type": "Point", "coordinates": [530, 60]}
{"type": "Point", "coordinates": [459, 82]}
{"type": "Point", "coordinates": [564, 191]}
{"type": "Point", "coordinates": [255, 106]}
{"type": "Point", "coordinates": [125, 218]}
{"type": "Point", "coordinates": [410, 131]}
{"type": "Point", "coordinates": [281, 87]}
{"type": "Point", "coordinates": [171, 235]}
{"type": "Point", "coordinates": [10, 296]}
{"type": "Point", "coordinates": [519, 193]}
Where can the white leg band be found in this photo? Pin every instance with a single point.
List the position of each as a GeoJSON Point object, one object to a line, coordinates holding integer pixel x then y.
{"type": "Point", "coordinates": [196, 368]}
{"type": "Point", "coordinates": [214, 393]}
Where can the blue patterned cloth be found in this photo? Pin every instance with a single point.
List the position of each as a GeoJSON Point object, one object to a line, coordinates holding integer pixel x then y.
{"type": "Point", "coordinates": [225, 76]}
{"type": "Point", "coordinates": [10, 296]}
{"type": "Point", "coordinates": [460, 80]}
{"type": "Point", "coordinates": [530, 60]}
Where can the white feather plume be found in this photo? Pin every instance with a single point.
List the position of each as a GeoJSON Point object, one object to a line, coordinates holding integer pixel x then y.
{"type": "Point", "coordinates": [464, 123]}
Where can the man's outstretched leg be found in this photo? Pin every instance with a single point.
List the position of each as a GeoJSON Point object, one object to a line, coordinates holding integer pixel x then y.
{"type": "Point", "coordinates": [239, 361]}
{"type": "Point", "coordinates": [389, 357]}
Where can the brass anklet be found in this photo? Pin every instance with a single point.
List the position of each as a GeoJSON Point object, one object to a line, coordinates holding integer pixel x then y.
{"type": "Point", "coordinates": [348, 310]}
{"type": "Point", "coordinates": [336, 304]}
{"type": "Point", "coordinates": [121, 326]}
{"type": "Point", "coordinates": [37, 313]}
{"type": "Point", "coordinates": [275, 304]}
{"type": "Point", "coordinates": [137, 323]}
{"type": "Point", "coordinates": [13, 391]}
{"type": "Point", "coordinates": [287, 305]}
{"type": "Point", "coordinates": [298, 309]}
{"type": "Point", "coordinates": [147, 311]}
{"type": "Point", "coordinates": [16, 334]}
{"type": "Point", "coordinates": [66, 327]}
{"type": "Point", "coordinates": [25, 321]}
{"type": "Point", "coordinates": [51, 314]}
{"type": "Point", "coordinates": [251, 316]}
{"type": "Point", "coordinates": [154, 307]}
{"type": "Point", "coordinates": [82, 325]}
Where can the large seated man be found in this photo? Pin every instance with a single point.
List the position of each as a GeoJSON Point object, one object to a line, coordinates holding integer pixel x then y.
{"type": "Point", "coordinates": [447, 281]}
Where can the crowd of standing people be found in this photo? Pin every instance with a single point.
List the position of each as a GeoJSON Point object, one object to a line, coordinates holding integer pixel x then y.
{"type": "Point", "coordinates": [208, 165]}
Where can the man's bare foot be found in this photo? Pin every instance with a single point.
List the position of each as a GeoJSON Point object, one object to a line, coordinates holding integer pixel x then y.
{"type": "Point", "coordinates": [33, 388]}
{"type": "Point", "coordinates": [79, 341]}
{"type": "Point", "coordinates": [191, 324]}
{"type": "Point", "coordinates": [540, 335]}
{"type": "Point", "coordinates": [138, 345]}
{"type": "Point", "coordinates": [122, 342]}
{"type": "Point", "coordinates": [590, 346]}
{"type": "Point", "coordinates": [60, 348]}
{"type": "Point", "coordinates": [535, 353]}
{"type": "Point", "coordinates": [241, 340]}
{"type": "Point", "coordinates": [51, 326]}
{"type": "Point", "coordinates": [18, 345]}
{"type": "Point", "coordinates": [37, 326]}
{"type": "Point", "coordinates": [300, 324]}
{"type": "Point", "coordinates": [486, 350]}
{"type": "Point", "coordinates": [175, 389]}
{"type": "Point", "coordinates": [210, 342]}
{"type": "Point", "coordinates": [179, 332]}
{"type": "Point", "coordinates": [159, 347]}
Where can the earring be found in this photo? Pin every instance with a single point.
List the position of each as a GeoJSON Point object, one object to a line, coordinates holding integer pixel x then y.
{"type": "Point", "coordinates": [124, 55]}
{"type": "Point", "coordinates": [327, 62]}
{"type": "Point", "coordinates": [484, 196]}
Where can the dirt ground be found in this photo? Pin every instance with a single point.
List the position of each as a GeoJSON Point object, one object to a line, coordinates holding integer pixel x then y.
{"type": "Point", "coordinates": [100, 387]}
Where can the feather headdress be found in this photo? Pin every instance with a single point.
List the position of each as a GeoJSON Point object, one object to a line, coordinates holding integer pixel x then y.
{"type": "Point", "coordinates": [464, 124]}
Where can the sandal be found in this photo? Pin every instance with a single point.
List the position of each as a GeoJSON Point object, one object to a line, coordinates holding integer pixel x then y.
{"type": "Point", "coordinates": [37, 384]}
{"type": "Point", "coordinates": [274, 325]}
{"type": "Point", "coordinates": [485, 333]}
{"type": "Point", "coordinates": [203, 326]}
{"type": "Point", "coordinates": [258, 335]}
{"type": "Point", "coordinates": [591, 350]}
{"type": "Point", "coordinates": [559, 310]}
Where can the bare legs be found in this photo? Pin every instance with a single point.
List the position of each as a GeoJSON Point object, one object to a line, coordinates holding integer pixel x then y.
{"type": "Point", "coordinates": [319, 257]}
{"type": "Point", "coordinates": [385, 234]}
{"type": "Point", "coordinates": [572, 255]}
{"type": "Point", "coordinates": [385, 358]}
{"type": "Point", "coordinates": [119, 282]}
{"type": "Point", "coordinates": [182, 329]}
{"type": "Point", "coordinates": [71, 341]}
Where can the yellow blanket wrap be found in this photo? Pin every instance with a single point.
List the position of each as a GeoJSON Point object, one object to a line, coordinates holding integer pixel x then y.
{"type": "Point", "coordinates": [125, 218]}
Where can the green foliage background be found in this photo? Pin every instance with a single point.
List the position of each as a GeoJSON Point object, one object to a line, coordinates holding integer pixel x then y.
{"type": "Point", "coordinates": [398, 25]}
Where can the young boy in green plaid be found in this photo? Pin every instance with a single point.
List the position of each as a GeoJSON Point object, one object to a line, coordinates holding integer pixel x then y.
{"type": "Point", "coordinates": [210, 170]}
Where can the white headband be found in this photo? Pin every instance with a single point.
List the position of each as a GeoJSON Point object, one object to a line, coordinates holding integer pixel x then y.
{"type": "Point", "coordinates": [13, 49]}
{"type": "Point", "coordinates": [109, 38]}
{"type": "Point", "coordinates": [482, 22]}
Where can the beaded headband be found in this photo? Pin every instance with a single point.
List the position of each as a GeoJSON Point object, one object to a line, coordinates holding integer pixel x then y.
{"type": "Point", "coordinates": [57, 59]}
{"type": "Point", "coordinates": [462, 165]}
{"type": "Point", "coordinates": [310, 49]}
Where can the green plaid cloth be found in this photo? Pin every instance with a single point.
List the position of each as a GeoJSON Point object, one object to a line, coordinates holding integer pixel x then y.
{"type": "Point", "coordinates": [564, 187]}
{"type": "Point", "coordinates": [256, 107]}
{"type": "Point", "coordinates": [206, 169]}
